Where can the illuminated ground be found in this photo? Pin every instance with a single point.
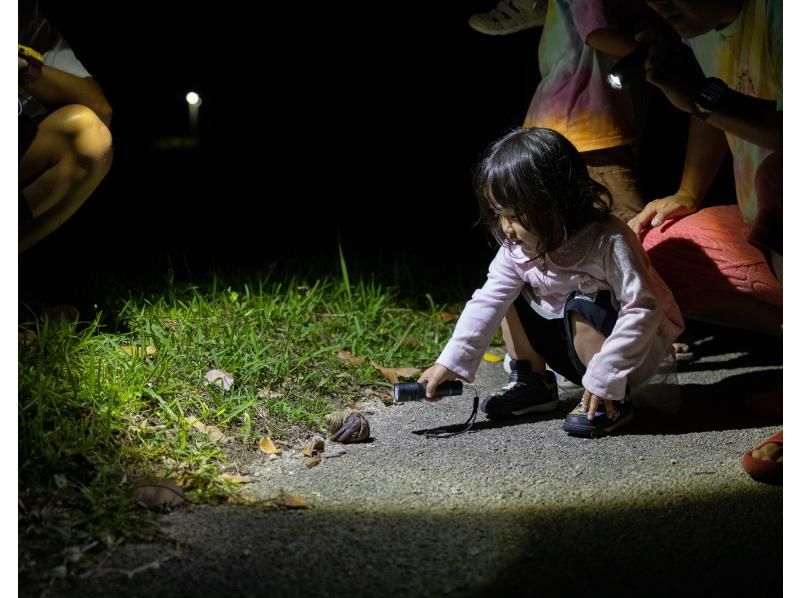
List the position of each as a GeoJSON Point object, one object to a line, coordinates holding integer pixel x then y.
{"type": "Point", "coordinates": [522, 509]}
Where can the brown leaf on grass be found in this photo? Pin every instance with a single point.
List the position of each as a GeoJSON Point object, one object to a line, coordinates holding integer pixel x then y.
{"type": "Point", "coordinates": [411, 341]}
{"type": "Point", "coordinates": [267, 446]}
{"type": "Point", "coordinates": [289, 501]}
{"type": "Point", "coordinates": [313, 461]}
{"type": "Point", "coordinates": [351, 360]}
{"type": "Point", "coordinates": [393, 375]}
{"type": "Point", "coordinates": [26, 337]}
{"type": "Point", "coordinates": [238, 479]}
{"type": "Point", "coordinates": [220, 378]}
{"type": "Point", "coordinates": [315, 447]}
{"type": "Point", "coordinates": [148, 351]}
{"type": "Point", "coordinates": [446, 316]}
{"type": "Point", "coordinates": [159, 495]}
{"type": "Point", "coordinates": [215, 435]}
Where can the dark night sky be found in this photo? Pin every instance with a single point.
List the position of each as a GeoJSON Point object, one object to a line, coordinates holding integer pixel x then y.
{"type": "Point", "coordinates": [316, 124]}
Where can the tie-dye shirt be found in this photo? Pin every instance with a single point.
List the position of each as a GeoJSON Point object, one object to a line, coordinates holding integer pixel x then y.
{"type": "Point", "coordinates": [574, 97]}
{"type": "Point", "coordinates": [748, 56]}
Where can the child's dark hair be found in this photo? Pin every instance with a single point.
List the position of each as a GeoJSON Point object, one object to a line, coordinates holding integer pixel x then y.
{"type": "Point", "coordinates": [537, 176]}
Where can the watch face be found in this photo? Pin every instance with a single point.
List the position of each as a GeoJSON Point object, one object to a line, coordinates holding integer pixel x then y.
{"type": "Point", "coordinates": [711, 94]}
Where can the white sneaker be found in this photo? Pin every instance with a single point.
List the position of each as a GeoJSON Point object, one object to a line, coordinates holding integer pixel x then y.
{"type": "Point", "coordinates": [510, 16]}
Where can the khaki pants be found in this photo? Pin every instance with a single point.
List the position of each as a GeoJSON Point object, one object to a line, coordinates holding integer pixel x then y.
{"type": "Point", "coordinates": [613, 168]}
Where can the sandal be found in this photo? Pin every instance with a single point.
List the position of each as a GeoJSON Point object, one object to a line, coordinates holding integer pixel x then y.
{"type": "Point", "coordinates": [764, 470]}
{"type": "Point", "coordinates": [510, 16]}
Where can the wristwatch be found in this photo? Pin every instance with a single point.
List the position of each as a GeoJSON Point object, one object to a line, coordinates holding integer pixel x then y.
{"type": "Point", "coordinates": [35, 62]}
{"type": "Point", "coordinates": [709, 98]}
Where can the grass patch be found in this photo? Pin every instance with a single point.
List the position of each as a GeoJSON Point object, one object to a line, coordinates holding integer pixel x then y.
{"type": "Point", "coordinates": [95, 420]}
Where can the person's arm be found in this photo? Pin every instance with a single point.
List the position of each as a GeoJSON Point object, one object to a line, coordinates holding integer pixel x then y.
{"type": "Point", "coordinates": [627, 272]}
{"type": "Point", "coordinates": [753, 119]}
{"type": "Point", "coordinates": [481, 317]}
{"type": "Point", "coordinates": [58, 88]}
{"type": "Point", "coordinates": [611, 41]}
{"type": "Point", "coordinates": [673, 68]}
{"type": "Point", "coordinates": [706, 148]}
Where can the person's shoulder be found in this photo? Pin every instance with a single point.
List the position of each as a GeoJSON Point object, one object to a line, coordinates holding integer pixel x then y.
{"type": "Point", "coordinates": [616, 232]}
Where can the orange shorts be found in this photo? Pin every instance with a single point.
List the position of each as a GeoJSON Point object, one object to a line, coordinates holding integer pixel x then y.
{"type": "Point", "coordinates": [705, 258]}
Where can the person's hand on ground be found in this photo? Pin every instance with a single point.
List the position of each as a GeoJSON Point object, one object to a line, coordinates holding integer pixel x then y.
{"type": "Point", "coordinates": [434, 376]}
{"type": "Point", "coordinates": [655, 212]}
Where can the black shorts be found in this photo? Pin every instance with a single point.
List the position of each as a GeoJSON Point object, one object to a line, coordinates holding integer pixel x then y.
{"type": "Point", "coordinates": [552, 339]}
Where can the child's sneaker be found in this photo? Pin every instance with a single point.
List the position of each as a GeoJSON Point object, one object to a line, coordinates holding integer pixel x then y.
{"type": "Point", "coordinates": [577, 424]}
{"type": "Point", "coordinates": [526, 392]}
{"type": "Point", "coordinates": [510, 16]}
{"type": "Point", "coordinates": [566, 388]}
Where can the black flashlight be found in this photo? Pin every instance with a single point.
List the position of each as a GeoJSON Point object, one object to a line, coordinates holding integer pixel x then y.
{"type": "Point", "coordinates": [628, 66]}
{"type": "Point", "coordinates": [414, 391]}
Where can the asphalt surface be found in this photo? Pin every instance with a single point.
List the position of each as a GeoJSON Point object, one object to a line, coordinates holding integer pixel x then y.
{"type": "Point", "coordinates": [517, 509]}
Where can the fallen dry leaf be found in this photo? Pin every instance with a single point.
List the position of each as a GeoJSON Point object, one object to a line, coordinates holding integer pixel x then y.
{"type": "Point", "coordinates": [393, 375]}
{"type": "Point", "coordinates": [220, 378]}
{"type": "Point", "coordinates": [214, 433]}
{"type": "Point", "coordinates": [349, 359]}
{"type": "Point", "coordinates": [411, 341]}
{"type": "Point", "coordinates": [159, 495]}
{"type": "Point", "coordinates": [267, 446]}
{"type": "Point", "coordinates": [315, 460]}
{"type": "Point", "coordinates": [26, 337]}
{"type": "Point", "coordinates": [289, 501]}
{"type": "Point", "coordinates": [315, 447]}
{"type": "Point", "coordinates": [446, 316]}
{"type": "Point", "coordinates": [238, 479]}
{"type": "Point", "coordinates": [148, 351]}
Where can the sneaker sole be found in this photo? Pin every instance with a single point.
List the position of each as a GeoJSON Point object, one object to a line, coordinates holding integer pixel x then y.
{"type": "Point", "coordinates": [589, 431]}
{"type": "Point", "coordinates": [508, 31]}
{"type": "Point", "coordinates": [552, 405]}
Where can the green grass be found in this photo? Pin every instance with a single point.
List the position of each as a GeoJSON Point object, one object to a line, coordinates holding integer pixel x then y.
{"type": "Point", "coordinates": [95, 421]}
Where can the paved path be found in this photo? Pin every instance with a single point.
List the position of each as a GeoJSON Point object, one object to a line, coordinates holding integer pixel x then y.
{"type": "Point", "coordinates": [522, 509]}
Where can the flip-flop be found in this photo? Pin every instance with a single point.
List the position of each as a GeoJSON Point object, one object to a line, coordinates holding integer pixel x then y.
{"type": "Point", "coordinates": [763, 470]}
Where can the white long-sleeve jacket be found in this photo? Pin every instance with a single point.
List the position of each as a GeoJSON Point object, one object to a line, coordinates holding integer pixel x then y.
{"type": "Point", "coordinates": [602, 256]}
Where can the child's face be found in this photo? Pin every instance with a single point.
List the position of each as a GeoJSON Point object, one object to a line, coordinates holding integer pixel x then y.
{"type": "Point", "coordinates": [519, 235]}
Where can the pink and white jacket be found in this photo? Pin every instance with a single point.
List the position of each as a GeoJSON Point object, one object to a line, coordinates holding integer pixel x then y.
{"type": "Point", "coordinates": [603, 255]}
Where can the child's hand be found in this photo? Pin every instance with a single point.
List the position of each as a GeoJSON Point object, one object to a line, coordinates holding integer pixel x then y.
{"type": "Point", "coordinates": [434, 376]}
{"type": "Point", "coordinates": [591, 402]}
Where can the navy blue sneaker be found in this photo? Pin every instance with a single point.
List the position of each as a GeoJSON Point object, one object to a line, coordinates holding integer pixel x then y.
{"type": "Point", "coordinates": [577, 424]}
{"type": "Point", "coordinates": [525, 392]}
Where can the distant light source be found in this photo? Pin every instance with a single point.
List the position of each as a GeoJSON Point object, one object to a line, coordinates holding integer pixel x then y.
{"type": "Point", "coordinates": [194, 101]}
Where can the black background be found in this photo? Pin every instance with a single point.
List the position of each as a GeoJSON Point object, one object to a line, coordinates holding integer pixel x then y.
{"type": "Point", "coordinates": [321, 124]}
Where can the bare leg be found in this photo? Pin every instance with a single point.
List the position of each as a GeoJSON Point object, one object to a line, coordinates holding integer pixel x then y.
{"type": "Point", "coordinates": [517, 343]}
{"type": "Point", "coordinates": [69, 157]}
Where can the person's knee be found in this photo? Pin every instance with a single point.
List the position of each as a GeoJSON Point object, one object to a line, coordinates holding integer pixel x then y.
{"type": "Point", "coordinates": [90, 139]}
